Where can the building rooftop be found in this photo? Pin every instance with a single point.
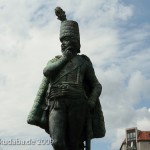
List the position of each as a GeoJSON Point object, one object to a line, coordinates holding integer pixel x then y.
{"type": "Point", "coordinates": [144, 136]}
{"type": "Point", "coordinates": [141, 136]}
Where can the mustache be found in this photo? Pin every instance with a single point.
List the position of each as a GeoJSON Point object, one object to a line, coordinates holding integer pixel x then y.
{"type": "Point", "coordinates": [68, 46]}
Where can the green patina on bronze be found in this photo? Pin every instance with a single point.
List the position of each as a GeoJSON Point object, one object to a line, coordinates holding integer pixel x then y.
{"type": "Point", "coordinates": [67, 103]}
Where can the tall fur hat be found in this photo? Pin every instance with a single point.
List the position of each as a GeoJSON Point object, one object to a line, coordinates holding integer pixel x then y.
{"type": "Point", "coordinates": [68, 27]}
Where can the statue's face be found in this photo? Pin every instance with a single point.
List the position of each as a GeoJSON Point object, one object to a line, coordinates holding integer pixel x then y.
{"type": "Point", "coordinates": [70, 43]}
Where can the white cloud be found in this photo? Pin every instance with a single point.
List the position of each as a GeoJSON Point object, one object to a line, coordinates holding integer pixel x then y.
{"type": "Point", "coordinates": [140, 120]}
{"type": "Point", "coordinates": [119, 98]}
{"type": "Point", "coordinates": [143, 122]}
{"type": "Point", "coordinates": [120, 136]}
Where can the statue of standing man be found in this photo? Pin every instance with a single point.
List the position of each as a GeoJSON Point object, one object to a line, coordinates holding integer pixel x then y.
{"type": "Point", "coordinates": [67, 104]}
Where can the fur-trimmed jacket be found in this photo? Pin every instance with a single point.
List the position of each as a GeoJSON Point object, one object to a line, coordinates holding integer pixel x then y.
{"type": "Point", "coordinates": [39, 113]}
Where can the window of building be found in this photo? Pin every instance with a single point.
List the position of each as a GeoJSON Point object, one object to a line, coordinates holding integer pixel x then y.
{"type": "Point", "coordinates": [131, 136]}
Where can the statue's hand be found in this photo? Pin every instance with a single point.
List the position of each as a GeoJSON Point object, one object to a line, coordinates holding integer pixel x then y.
{"type": "Point", "coordinates": [91, 104]}
{"type": "Point", "coordinates": [68, 54]}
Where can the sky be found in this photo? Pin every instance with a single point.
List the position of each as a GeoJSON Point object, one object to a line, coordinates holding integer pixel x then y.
{"type": "Point", "coordinates": [114, 34]}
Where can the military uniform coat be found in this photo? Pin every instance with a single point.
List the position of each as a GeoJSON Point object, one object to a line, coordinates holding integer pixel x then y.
{"type": "Point", "coordinates": [39, 113]}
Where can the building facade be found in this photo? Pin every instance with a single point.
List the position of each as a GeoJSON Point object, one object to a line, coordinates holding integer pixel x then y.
{"type": "Point", "coordinates": [136, 140]}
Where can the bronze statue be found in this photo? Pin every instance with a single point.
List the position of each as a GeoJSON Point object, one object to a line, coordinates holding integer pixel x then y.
{"type": "Point", "coordinates": [67, 104]}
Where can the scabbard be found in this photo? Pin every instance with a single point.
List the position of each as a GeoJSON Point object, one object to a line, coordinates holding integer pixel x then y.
{"type": "Point", "coordinates": [88, 144]}
{"type": "Point", "coordinates": [88, 138]}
